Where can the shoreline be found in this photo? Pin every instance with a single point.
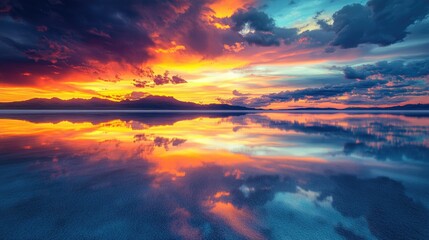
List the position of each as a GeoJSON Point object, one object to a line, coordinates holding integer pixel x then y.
{"type": "Point", "coordinates": [48, 111]}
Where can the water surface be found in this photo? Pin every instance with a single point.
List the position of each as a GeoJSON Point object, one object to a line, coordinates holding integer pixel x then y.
{"type": "Point", "coordinates": [131, 175]}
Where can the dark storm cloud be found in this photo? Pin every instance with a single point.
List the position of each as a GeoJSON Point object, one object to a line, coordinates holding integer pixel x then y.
{"type": "Point", "coordinates": [397, 68]}
{"type": "Point", "coordinates": [24, 71]}
{"type": "Point", "coordinates": [192, 29]}
{"type": "Point", "coordinates": [379, 22]}
{"type": "Point", "coordinates": [352, 73]}
{"type": "Point", "coordinates": [317, 38]}
{"type": "Point", "coordinates": [257, 28]}
{"type": "Point", "coordinates": [100, 30]}
{"type": "Point", "coordinates": [257, 20]}
{"type": "Point", "coordinates": [262, 39]}
{"type": "Point", "coordinates": [71, 35]}
{"type": "Point", "coordinates": [66, 34]}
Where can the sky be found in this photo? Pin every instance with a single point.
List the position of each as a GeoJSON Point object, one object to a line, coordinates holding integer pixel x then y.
{"type": "Point", "coordinates": [253, 53]}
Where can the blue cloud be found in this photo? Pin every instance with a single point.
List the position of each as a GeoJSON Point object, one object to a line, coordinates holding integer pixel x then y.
{"type": "Point", "coordinates": [398, 68]}
{"type": "Point", "coordinates": [379, 22]}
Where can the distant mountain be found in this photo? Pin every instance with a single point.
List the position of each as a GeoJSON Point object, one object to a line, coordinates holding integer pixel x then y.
{"type": "Point", "coordinates": [147, 103]}
{"type": "Point", "coordinates": [161, 103]}
{"type": "Point", "coordinates": [403, 107]}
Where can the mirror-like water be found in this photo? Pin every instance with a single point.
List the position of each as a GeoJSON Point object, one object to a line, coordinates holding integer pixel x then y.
{"type": "Point", "coordinates": [214, 176]}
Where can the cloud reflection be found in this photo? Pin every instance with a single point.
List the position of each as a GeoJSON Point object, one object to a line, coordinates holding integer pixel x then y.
{"type": "Point", "coordinates": [277, 175]}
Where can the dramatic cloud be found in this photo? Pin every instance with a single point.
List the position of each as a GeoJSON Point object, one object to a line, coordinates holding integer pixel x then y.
{"type": "Point", "coordinates": [258, 28]}
{"type": "Point", "coordinates": [356, 93]}
{"type": "Point", "coordinates": [310, 94]}
{"type": "Point", "coordinates": [252, 19]}
{"type": "Point", "coordinates": [397, 68]}
{"type": "Point", "coordinates": [317, 38]}
{"type": "Point", "coordinates": [379, 22]}
{"type": "Point", "coordinates": [247, 101]}
{"type": "Point", "coordinates": [324, 92]}
{"type": "Point", "coordinates": [49, 39]}
{"type": "Point", "coordinates": [70, 34]}
{"type": "Point", "coordinates": [379, 83]}
{"type": "Point", "coordinates": [155, 79]}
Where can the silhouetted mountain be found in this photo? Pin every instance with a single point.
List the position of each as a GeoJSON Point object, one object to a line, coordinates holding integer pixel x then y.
{"type": "Point", "coordinates": [403, 107]}
{"type": "Point", "coordinates": [148, 103]}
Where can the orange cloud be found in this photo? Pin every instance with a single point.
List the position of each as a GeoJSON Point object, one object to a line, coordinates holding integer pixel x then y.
{"type": "Point", "coordinates": [225, 8]}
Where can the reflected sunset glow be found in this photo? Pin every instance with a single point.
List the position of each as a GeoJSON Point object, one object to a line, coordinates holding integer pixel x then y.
{"type": "Point", "coordinates": [224, 175]}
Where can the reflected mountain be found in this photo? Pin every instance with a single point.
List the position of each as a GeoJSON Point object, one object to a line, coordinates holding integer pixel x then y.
{"type": "Point", "coordinates": [149, 118]}
{"type": "Point", "coordinates": [253, 176]}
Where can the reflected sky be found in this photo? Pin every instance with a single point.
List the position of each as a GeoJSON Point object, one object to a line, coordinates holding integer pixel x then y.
{"type": "Point", "coordinates": [214, 176]}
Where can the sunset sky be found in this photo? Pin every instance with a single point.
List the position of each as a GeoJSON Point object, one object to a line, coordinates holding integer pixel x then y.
{"type": "Point", "coordinates": [254, 53]}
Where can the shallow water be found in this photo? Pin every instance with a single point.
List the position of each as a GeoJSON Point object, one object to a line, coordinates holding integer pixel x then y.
{"type": "Point", "coordinates": [214, 176]}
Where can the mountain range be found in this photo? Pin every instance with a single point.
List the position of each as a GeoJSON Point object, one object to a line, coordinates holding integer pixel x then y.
{"type": "Point", "coordinates": [161, 103]}
{"type": "Point", "coordinates": [147, 103]}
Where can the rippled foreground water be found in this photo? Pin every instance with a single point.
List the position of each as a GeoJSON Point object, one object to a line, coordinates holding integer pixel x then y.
{"type": "Point", "coordinates": [214, 176]}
